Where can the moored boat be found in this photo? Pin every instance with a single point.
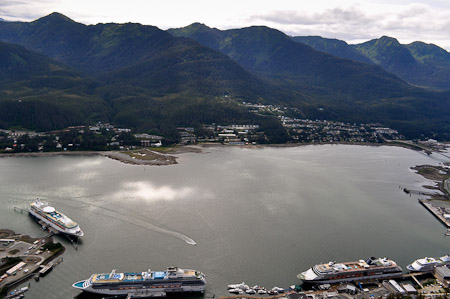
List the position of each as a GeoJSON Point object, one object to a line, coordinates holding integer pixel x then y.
{"type": "Point", "coordinates": [150, 283]}
{"type": "Point", "coordinates": [372, 268]}
{"type": "Point", "coordinates": [54, 219]}
{"type": "Point", "coordinates": [262, 291]}
{"type": "Point", "coordinates": [428, 264]}
{"type": "Point", "coordinates": [238, 286]}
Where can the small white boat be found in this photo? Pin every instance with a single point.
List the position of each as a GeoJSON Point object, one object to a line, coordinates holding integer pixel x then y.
{"type": "Point", "coordinates": [277, 289]}
{"type": "Point", "coordinates": [250, 291]}
{"type": "Point", "coordinates": [262, 292]}
{"type": "Point", "coordinates": [236, 286]}
{"type": "Point", "coordinates": [235, 291]}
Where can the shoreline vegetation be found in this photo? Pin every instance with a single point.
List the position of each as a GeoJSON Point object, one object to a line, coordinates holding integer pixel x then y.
{"type": "Point", "coordinates": [168, 155]}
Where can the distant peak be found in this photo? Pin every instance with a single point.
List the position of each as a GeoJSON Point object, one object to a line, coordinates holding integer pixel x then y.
{"type": "Point", "coordinates": [55, 16]}
{"type": "Point", "coordinates": [197, 24]}
{"type": "Point", "coordinates": [385, 38]}
{"type": "Point", "coordinates": [198, 27]}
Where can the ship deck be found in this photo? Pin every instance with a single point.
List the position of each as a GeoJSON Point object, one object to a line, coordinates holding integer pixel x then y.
{"type": "Point", "coordinates": [352, 266]}
{"type": "Point", "coordinates": [58, 217]}
{"type": "Point", "coordinates": [127, 277]}
{"type": "Point", "coordinates": [140, 276]}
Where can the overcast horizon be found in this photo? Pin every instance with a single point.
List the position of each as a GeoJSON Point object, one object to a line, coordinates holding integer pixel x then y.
{"type": "Point", "coordinates": [351, 21]}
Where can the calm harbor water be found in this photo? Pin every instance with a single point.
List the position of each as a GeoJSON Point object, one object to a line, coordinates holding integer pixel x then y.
{"type": "Point", "coordinates": [256, 215]}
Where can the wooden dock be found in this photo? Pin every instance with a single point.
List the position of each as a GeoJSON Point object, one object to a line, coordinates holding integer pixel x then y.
{"type": "Point", "coordinates": [409, 191]}
{"type": "Point", "coordinates": [243, 296]}
{"type": "Point", "coordinates": [435, 211]}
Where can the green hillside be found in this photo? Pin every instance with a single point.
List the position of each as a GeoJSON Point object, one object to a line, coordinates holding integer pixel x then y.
{"type": "Point", "coordinates": [345, 90]}
{"type": "Point", "coordinates": [39, 93]}
{"type": "Point", "coordinates": [417, 63]}
{"type": "Point", "coordinates": [142, 77]}
{"type": "Point", "coordinates": [334, 47]}
{"type": "Point", "coordinates": [143, 70]}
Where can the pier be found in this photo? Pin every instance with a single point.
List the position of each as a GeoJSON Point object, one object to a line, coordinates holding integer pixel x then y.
{"type": "Point", "coordinates": [409, 191]}
{"type": "Point", "coordinates": [435, 211]}
{"type": "Point", "coordinates": [145, 295]}
{"type": "Point", "coordinates": [417, 281]}
{"type": "Point", "coordinates": [44, 270]}
{"type": "Point", "coordinates": [243, 296]}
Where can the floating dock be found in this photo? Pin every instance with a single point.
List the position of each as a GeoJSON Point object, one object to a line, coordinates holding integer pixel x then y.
{"type": "Point", "coordinates": [145, 295]}
{"type": "Point", "coordinates": [409, 191]}
{"type": "Point", "coordinates": [437, 212]}
{"type": "Point", "coordinates": [44, 270]}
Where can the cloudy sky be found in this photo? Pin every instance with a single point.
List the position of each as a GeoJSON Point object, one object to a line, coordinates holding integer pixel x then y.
{"type": "Point", "coordinates": [349, 20]}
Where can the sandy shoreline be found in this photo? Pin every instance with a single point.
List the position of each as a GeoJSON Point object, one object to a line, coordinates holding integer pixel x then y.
{"type": "Point", "coordinates": [136, 157]}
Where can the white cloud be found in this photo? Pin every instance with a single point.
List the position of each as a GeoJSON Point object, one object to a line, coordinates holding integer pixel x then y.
{"type": "Point", "coordinates": [367, 21]}
{"type": "Point", "coordinates": [148, 192]}
{"type": "Point", "coordinates": [22, 10]}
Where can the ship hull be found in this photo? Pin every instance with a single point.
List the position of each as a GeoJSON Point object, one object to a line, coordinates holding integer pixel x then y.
{"type": "Point", "coordinates": [144, 284]}
{"type": "Point", "coordinates": [428, 268]}
{"type": "Point", "coordinates": [149, 291]}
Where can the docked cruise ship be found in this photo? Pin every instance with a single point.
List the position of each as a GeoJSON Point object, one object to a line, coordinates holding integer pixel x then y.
{"type": "Point", "coordinates": [55, 219]}
{"type": "Point", "coordinates": [372, 268]}
{"type": "Point", "coordinates": [428, 264]}
{"type": "Point", "coordinates": [149, 284]}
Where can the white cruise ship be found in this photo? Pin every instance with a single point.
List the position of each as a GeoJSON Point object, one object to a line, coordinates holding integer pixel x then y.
{"type": "Point", "coordinates": [372, 268]}
{"type": "Point", "coordinates": [144, 284]}
{"type": "Point", "coordinates": [55, 219]}
{"type": "Point", "coordinates": [428, 264]}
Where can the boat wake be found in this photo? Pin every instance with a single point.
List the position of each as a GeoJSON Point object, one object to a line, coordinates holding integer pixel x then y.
{"type": "Point", "coordinates": [152, 227]}
{"type": "Point", "coordinates": [142, 223]}
{"type": "Point", "coordinates": [103, 210]}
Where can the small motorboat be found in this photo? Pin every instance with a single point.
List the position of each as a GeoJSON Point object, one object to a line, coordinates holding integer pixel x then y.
{"type": "Point", "coordinates": [262, 291]}
{"type": "Point", "coordinates": [236, 286]}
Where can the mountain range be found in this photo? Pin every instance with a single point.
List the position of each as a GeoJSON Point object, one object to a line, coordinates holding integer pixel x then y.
{"type": "Point", "coordinates": [417, 63]}
{"type": "Point", "coordinates": [57, 72]}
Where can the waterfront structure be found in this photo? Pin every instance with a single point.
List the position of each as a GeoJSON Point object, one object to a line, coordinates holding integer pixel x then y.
{"type": "Point", "coordinates": [443, 274]}
{"type": "Point", "coordinates": [428, 264]}
{"type": "Point", "coordinates": [372, 268]}
{"type": "Point", "coordinates": [55, 219]}
{"type": "Point", "coordinates": [16, 268]}
{"type": "Point", "coordinates": [150, 283]}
